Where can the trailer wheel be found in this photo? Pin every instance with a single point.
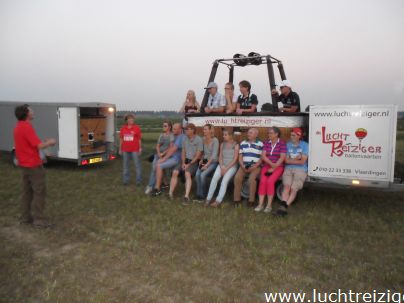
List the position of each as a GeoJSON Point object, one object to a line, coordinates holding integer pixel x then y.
{"type": "Point", "coordinates": [245, 189]}
{"type": "Point", "coordinates": [14, 158]}
{"type": "Point", "coordinates": [279, 190]}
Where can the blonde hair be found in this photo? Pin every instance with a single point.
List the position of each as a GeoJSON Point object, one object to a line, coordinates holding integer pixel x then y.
{"type": "Point", "coordinates": [192, 98]}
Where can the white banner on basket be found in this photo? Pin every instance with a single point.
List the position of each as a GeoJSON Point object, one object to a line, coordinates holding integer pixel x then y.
{"type": "Point", "coordinates": [248, 121]}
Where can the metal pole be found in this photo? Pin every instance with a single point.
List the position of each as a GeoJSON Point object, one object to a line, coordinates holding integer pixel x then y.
{"type": "Point", "coordinates": [281, 71]}
{"type": "Point", "coordinates": [231, 74]}
{"type": "Point", "coordinates": [272, 84]}
{"type": "Point", "coordinates": [211, 79]}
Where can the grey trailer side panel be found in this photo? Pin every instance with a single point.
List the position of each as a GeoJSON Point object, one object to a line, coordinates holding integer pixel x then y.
{"type": "Point", "coordinates": [45, 124]}
{"type": "Point", "coordinates": [7, 124]}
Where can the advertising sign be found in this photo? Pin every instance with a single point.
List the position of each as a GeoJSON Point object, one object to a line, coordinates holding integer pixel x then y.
{"type": "Point", "coordinates": [248, 121]}
{"type": "Point", "coordinates": [353, 141]}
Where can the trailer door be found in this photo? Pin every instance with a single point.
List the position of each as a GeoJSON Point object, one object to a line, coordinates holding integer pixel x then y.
{"type": "Point", "coordinates": [68, 133]}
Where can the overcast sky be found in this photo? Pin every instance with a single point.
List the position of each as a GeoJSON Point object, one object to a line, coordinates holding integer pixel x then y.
{"type": "Point", "coordinates": [145, 55]}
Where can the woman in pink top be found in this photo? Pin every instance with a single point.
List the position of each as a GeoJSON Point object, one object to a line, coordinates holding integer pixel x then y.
{"type": "Point", "coordinates": [273, 157]}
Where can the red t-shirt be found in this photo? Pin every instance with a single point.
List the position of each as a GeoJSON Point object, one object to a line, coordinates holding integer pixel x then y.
{"type": "Point", "coordinates": [26, 145]}
{"type": "Point", "coordinates": [130, 138]}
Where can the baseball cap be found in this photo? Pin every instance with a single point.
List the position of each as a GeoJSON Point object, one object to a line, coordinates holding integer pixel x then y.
{"type": "Point", "coordinates": [297, 131]}
{"type": "Point", "coordinates": [211, 84]}
{"type": "Point", "coordinates": [285, 83]}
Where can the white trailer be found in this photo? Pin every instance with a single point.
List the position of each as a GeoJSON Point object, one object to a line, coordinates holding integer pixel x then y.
{"type": "Point", "coordinates": [84, 132]}
{"type": "Point", "coordinates": [353, 145]}
{"type": "Point", "coordinates": [349, 145]}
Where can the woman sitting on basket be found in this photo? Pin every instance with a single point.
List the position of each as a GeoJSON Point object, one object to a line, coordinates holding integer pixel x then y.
{"type": "Point", "coordinates": [227, 168]}
{"type": "Point", "coordinates": [273, 158]}
{"type": "Point", "coordinates": [190, 105]}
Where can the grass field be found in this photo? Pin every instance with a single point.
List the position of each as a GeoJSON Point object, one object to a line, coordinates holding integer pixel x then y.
{"type": "Point", "coordinates": [111, 243]}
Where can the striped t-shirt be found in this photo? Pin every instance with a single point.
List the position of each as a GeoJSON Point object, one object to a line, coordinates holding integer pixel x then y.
{"type": "Point", "coordinates": [251, 151]}
{"type": "Point", "coordinates": [273, 152]}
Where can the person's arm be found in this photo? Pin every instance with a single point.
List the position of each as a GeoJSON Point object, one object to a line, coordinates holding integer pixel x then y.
{"type": "Point", "coordinates": [300, 161]}
{"type": "Point", "coordinates": [221, 155]}
{"type": "Point", "coordinates": [140, 140]}
{"type": "Point", "coordinates": [220, 109]}
{"type": "Point", "coordinates": [183, 156]}
{"type": "Point", "coordinates": [275, 95]}
{"type": "Point", "coordinates": [265, 159]}
{"type": "Point", "coordinates": [182, 110]}
{"type": "Point", "coordinates": [197, 157]}
{"type": "Point", "coordinates": [252, 109]}
{"type": "Point", "coordinates": [241, 162]}
{"type": "Point", "coordinates": [198, 106]}
{"type": "Point", "coordinates": [280, 160]}
{"type": "Point", "coordinates": [234, 161]}
{"type": "Point", "coordinates": [215, 152]}
{"type": "Point", "coordinates": [291, 109]}
{"type": "Point", "coordinates": [256, 165]}
{"type": "Point", "coordinates": [46, 143]}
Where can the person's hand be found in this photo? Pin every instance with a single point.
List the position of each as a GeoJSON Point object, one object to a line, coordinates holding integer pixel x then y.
{"type": "Point", "coordinates": [204, 167]}
{"type": "Point", "coordinates": [270, 170]}
{"type": "Point", "coordinates": [274, 91]}
{"type": "Point", "coordinates": [207, 110]}
{"type": "Point", "coordinates": [223, 170]}
{"type": "Point", "coordinates": [120, 152]}
{"type": "Point", "coordinates": [161, 160]}
{"type": "Point", "coordinates": [50, 142]}
{"type": "Point", "coordinates": [239, 111]}
{"type": "Point", "coordinates": [140, 151]}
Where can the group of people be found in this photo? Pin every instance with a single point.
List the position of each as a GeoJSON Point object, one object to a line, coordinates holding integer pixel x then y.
{"type": "Point", "coordinates": [198, 158]}
{"type": "Point", "coordinates": [246, 102]}
{"type": "Point", "coordinates": [251, 161]}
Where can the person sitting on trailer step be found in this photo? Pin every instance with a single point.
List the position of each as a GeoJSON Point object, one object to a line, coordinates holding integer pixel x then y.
{"type": "Point", "coordinates": [246, 102]}
{"type": "Point", "coordinates": [289, 99]}
{"type": "Point", "coordinates": [295, 172]}
{"type": "Point", "coordinates": [216, 101]}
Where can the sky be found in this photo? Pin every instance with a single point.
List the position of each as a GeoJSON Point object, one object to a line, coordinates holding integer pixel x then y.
{"type": "Point", "coordinates": [145, 55]}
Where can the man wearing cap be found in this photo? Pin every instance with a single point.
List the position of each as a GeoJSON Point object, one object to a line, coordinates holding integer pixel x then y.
{"type": "Point", "coordinates": [289, 99]}
{"type": "Point", "coordinates": [216, 101]}
{"type": "Point", "coordinates": [295, 172]}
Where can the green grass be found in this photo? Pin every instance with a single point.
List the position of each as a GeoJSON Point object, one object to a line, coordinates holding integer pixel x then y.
{"type": "Point", "coordinates": [113, 244]}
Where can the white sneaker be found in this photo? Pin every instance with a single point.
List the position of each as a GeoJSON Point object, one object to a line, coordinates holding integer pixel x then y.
{"type": "Point", "coordinates": [259, 208]}
{"type": "Point", "coordinates": [148, 190]}
{"type": "Point", "coordinates": [267, 209]}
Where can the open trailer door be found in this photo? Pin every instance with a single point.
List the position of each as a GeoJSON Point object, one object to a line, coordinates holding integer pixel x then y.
{"type": "Point", "coordinates": [68, 134]}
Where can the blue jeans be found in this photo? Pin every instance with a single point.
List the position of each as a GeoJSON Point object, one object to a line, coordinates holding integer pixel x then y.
{"type": "Point", "coordinates": [152, 178]}
{"type": "Point", "coordinates": [127, 156]}
{"type": "Point", "coordinates": [223, 186]}
{"type": "Point", "coordinates": [200, 178]}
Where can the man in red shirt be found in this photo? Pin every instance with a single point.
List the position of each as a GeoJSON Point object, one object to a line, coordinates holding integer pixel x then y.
{"type": "Point", "coordinates": [27, 146]}
{"type": "Point", "coordinates": [131, 148]}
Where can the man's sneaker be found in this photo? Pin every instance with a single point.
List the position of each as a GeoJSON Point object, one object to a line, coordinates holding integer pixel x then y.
{"type": "Point", "coordinates": [148, 190]}
{"type": "Point", "coordinates": [164, 186]}
{"type": "Point", "coordinates": [156, 192]}
{"type": "Point", "coordinates": [41, 224]}
{"type": "Point", "coordinates": [26, 221]}
{"type": "Point", "coordinates": [259, 208]}
{"type": "Point", "coordinates": [198, 199]}
{"type": "Point", "coordinates": [268, 209]}
{"type": "Point", "coordinates": [282, 210]}
{"type": "Point", "coordinates": [186, 201]}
